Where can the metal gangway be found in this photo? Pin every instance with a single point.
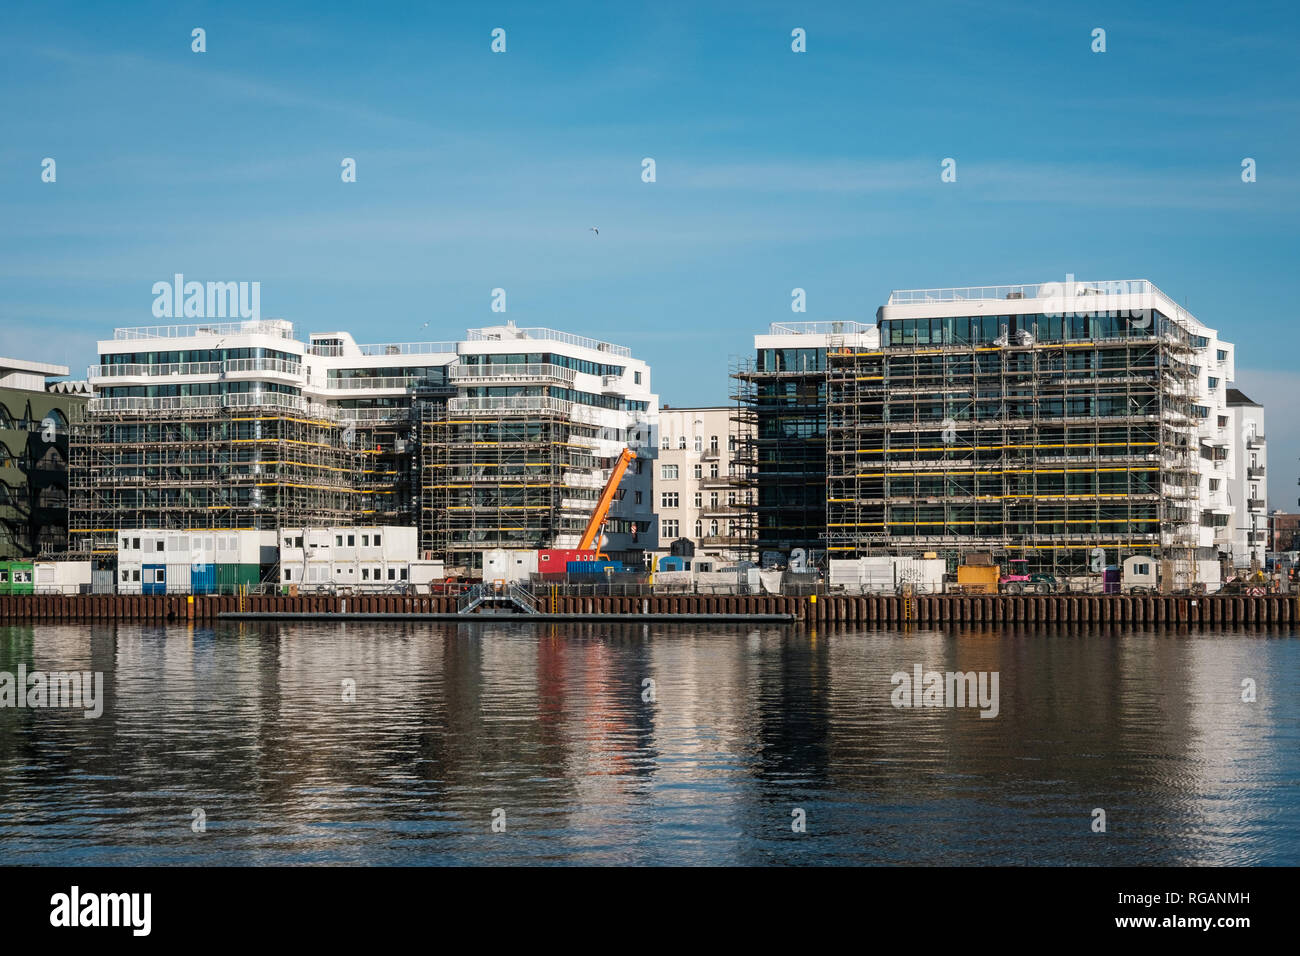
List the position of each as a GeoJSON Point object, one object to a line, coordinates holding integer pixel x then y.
{"type": "Point", "coordinates": [498, 597]}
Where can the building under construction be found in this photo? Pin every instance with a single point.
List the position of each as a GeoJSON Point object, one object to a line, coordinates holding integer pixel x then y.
{"type": "Point", "coordinates": [779, 431]}
{"type": "Point", "coordinates": [257, 464]}
{"type": "Point", "coordinates": [1001, 420]}
{"type": "Point", "coordinates": [518, 458]}
{"type": "Point", "coordinates": [501, 440]}
{"type": "Point", "coordinates": [505, 473]}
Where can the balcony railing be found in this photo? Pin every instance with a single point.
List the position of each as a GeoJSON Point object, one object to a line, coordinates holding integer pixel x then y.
{"type": "Point", "coordinates": [407, 348]}
{"type": "Point", "coordinates": [723, 540]}
{"type": "Point", "coordinates": [509, 405]}
{"type": "Point", "coordinates": [1026, 291]}
{"type": "Point", "coordinates": [503, 374]}
{"type": "Point", "coordinates": [1255, 504]}
{"type": "Point", "coordinates": [1255, 472]}
{"type": "Point", "coordinates": [204, 402]}
{"type": "Point", "coordinates": [194, 368]}
{"type": "Point", "coordinates": [390, 383]}
{"type": "Point", "coordinates": [832, 327]}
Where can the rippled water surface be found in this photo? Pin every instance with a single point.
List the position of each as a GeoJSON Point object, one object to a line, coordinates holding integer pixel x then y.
{"type": "Point", "coordinates": [555, 730]}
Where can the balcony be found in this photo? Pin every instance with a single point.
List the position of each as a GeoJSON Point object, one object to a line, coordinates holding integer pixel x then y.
{"type": "Point", "coordinates": [1255, 474]}
{"type": "Point", "coordinates": [397, 383]}
{"type": "Point", "coordinates": [195, 403]}
{"type": "Point", "coordinates": [1255, 441]}
{"type": "Point", "coordinates": [275, 366]}
{"type": "Point", "coordinates": [510, 374]}
{"type": "Point", "coordinates": [510, 406]}
{"type": "Point", "coordinates": [723, 540]}
{"type": "Point", "coordinates": [1255, 504]}
{"type": "Point", "coordinates": [407, 348]}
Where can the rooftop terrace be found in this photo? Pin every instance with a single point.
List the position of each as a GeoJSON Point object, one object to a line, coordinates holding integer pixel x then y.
{"type": "Point", "coordinates": [509, 331]}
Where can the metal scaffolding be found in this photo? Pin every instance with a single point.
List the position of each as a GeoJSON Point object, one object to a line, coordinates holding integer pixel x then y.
{"type": "Point", "coordinates": [779, 467]}
{"type": "Point", "coordinates": [203, 466]}
{"type": "Point", "coordinates": [1035, 450]}
{"type": "Point", "coordinates": [521, 472]}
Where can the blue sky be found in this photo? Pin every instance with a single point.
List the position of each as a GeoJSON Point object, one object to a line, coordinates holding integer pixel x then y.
{"type": "Point", "coordinates": [775, 170]}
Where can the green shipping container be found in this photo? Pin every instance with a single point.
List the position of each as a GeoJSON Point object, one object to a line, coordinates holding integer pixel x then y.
{"type": "Point", "coordinates": [16, 577]}
{"type": "Point", "coordinates": [231, 577]}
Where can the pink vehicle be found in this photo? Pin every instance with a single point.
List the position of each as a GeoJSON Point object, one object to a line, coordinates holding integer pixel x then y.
{"type": "Point", "coordinates": [1016, 580]}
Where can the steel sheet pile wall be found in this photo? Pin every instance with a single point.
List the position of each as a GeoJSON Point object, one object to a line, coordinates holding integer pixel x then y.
{"type": "Point", "coordinates": [927, 610]}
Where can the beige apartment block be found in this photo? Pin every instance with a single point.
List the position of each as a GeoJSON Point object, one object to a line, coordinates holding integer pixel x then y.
{"type": "Point", "coordinates": [697, 494]}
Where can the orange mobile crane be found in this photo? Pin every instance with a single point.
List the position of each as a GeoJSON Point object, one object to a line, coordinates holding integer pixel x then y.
{"type": "Point", "coordinates": [591, 535]}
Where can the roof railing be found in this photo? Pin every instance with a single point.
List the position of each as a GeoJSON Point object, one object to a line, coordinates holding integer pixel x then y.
{"type": "Point", "coordinates": [280, 328]}
{"type": "Point", "coordinates": [834, 327]}
{"type": "Point", "coordinates": [509, 333]}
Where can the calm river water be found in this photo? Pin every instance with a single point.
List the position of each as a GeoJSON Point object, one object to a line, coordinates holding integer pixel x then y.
{"type": "Point", "coordinates": [553, 732]}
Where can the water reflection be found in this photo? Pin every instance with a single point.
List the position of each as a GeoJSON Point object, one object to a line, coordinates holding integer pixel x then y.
{"type": "Point", "coordinates": [637, 744]}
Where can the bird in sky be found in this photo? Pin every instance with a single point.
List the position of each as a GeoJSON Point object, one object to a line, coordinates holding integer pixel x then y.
{"type": "Point", "coordinates": [595, 230]}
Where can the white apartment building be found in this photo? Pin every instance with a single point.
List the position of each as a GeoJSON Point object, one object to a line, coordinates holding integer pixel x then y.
{"type": "Point", "coordinates": [1247, 483]}
{"type": "Point", "coordinates": [1065, 423]}
{"type": "Point", "coordinates": [528, 442]}
{"type": "Point", "coordinates": [696, 492]}
{"type": "Point", "coordinates": [190, 427]}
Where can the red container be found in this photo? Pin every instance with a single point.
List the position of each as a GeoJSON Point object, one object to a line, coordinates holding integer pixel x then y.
{"type": "Point", "coordinates": [556, 560]}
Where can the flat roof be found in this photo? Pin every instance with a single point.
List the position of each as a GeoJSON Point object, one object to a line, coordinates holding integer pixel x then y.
{"type": "Point", "coordinates": [36, 368]}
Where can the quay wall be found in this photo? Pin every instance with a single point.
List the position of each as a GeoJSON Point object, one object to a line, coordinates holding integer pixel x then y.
{"type": "Point", "coordinates": [923, 610]}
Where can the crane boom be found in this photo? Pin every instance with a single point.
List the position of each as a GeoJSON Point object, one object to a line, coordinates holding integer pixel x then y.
{"type": "Point", "coordinates": [592, 532]}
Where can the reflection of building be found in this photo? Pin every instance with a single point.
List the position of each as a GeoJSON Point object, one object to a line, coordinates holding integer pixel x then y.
{"type": "Point", "coordinates": [34, 458]}
{"type": "Point", "coordinates": [696, 493]}
{"type": "Point", "coordinates": [1247, 481]}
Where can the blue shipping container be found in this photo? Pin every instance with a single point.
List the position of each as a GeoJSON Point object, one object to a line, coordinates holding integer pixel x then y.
{"type": "Point", "coordinates": [203, 579]}
{"type": "Point", "coordinates": [153, 579]}
{"type": "Point", "coordinates": [592, 567]}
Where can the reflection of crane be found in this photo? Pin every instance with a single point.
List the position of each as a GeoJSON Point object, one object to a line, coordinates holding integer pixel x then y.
{"type": "Point", "coordinates": [591, 535]}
